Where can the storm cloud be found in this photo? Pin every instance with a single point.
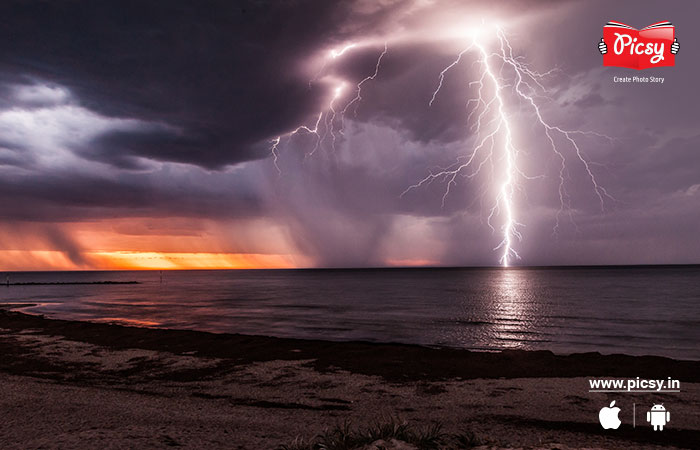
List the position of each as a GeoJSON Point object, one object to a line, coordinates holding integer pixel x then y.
{"type": "Point", "coordinates": [150, 110]}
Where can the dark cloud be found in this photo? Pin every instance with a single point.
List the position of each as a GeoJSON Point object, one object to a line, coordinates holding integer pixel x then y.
{"type": "Point", "coordinates": [224, 73]}
{"type": "Point", "coordinates": [165, 109]}
{"type": "Point", "coordinates": [73, 197]}
{"type": "Point", "coordinates": [122, 148]}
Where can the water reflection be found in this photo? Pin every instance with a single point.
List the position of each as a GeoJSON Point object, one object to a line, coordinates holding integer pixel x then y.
{"type": "Point", "coordinates": [512, 313]}
{"type": "Point", "coordinates": [500, 310]}
{"type": "Point", "coordinates": [127, 322]}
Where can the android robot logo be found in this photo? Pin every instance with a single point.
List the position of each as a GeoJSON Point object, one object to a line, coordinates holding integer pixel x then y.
{"type": "Point", "coordinates": [658, 416]}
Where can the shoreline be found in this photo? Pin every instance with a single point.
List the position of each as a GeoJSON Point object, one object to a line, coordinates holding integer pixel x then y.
{"type": "Point", "coordinates": [392, 361]}
{"type": "Point", "coordinates": [66, 383]}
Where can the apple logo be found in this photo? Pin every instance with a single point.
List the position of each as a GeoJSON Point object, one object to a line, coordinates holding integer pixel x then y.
{"type": "Point", "coordinates": [608, 416]}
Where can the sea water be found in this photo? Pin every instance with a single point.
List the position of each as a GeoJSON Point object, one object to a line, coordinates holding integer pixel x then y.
{"type": "Point", "coordinates": [651, 310]}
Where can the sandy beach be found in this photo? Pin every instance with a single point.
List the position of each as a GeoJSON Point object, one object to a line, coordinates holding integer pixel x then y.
{"type": "Point", "coordinates": [68, 384]}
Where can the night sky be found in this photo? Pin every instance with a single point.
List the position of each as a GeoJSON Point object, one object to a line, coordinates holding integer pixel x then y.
{"type": "Point", "coordinates": [138, 134]}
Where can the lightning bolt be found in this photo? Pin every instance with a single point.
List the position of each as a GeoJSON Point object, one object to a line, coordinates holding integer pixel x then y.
{"type": "Point", "coordinates": [492, 124]}
{"type": "Point", "coordinates": [274, 149]}
{"type": "Point", "coordinates": [331, 121]}
{"type": "Point", "coordinates": [495, 144]}
{"type": "Point", "coordinates": [337, 53]}
{"type": "Point", "coordinates": [358, 91]}
{"type": "Point", "coordinates": [331, 114]}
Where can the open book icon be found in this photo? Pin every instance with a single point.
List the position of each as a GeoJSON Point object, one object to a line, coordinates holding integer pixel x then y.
{"type": "Point", "coordinates": [639, 49]}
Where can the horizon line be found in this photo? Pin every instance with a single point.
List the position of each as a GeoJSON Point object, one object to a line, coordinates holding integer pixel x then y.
{"type": "Point", "coordinates": [426, 267]}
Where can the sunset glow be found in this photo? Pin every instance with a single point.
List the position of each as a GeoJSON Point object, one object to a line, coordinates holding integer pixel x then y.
{"type": "Point", "coordinates": [154, 260]}
{"type": "Point", "coordinates": [146, 243]}
{"type": "Point", "coordinates": [131, 260]}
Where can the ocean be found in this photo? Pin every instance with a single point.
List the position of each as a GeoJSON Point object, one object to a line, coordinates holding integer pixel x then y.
{"type": "Point", "coordinates": [648, 310]}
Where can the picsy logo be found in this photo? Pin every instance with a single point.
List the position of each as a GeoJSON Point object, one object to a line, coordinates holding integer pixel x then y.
{"type": "Point", "coordinates": [652, 46]}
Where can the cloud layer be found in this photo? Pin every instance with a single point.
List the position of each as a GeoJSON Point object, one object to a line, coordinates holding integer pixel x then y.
{"type": "Point", "coordinates": [162, 114]}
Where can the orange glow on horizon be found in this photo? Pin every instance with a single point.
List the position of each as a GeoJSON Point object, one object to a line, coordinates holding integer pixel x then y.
{"type": "Point", "coordinates": [147, 244]}
{"type": "Point", "coordinates": [20, 260]}
{"type": "Point", "coordinates": [156, 260]}
{"type": "Point", "coordinates": [411, 262]}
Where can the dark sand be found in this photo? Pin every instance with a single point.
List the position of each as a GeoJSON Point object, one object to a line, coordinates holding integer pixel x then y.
{"type": "Point", "coordinates": [68, 384]}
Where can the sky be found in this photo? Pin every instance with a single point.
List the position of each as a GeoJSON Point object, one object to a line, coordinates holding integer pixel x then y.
{"type": "Point", "coordinates": [160, 135]}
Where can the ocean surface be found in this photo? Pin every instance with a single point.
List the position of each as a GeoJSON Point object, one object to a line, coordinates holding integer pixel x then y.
{"type": "Point", "coordinates": [631, 310]}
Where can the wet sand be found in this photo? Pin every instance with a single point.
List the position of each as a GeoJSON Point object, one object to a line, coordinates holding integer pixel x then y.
{"type": "Point", "coordinates": [68, 384]}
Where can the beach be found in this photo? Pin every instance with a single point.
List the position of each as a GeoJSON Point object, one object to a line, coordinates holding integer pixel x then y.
{"type": "Point", "coordinates": [66, 384]}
